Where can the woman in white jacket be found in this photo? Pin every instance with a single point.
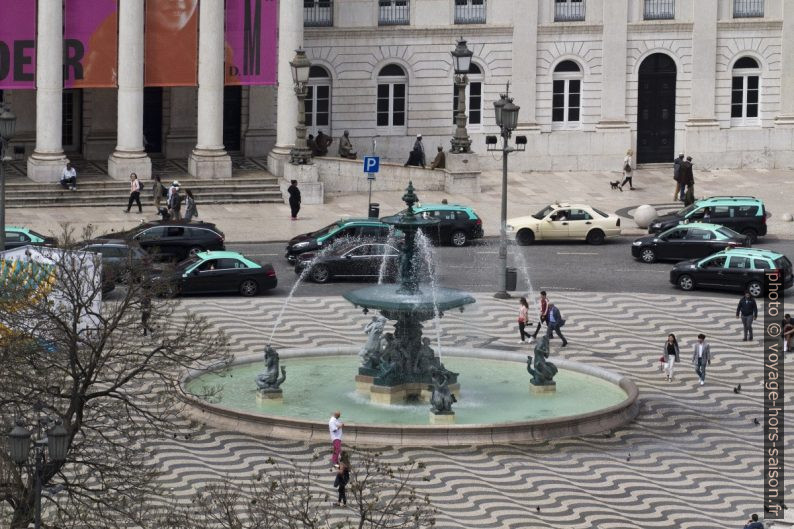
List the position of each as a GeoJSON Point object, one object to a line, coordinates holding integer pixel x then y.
{"type": "Point", "coordinates": [628, 170]}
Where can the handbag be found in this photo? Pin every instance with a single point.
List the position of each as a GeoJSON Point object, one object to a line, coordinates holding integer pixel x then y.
{"type": "Point", "coordinates": [627, 168]}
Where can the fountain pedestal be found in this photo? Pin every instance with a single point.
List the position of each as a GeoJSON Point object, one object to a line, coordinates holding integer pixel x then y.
{"type": "Point", "coordinates": [399, 394]}
{"type": "Point", "coordinates": [442, 418]}
{"type": "Point", "coordinates": [275, 396]}
{"type": "Point", "coordinates": [543, 389]}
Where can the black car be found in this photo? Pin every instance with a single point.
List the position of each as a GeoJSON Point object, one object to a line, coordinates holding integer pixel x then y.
{"type": "Point", "coordinates": [746, 215]}
{"type": "Point", "coordinates": [457, 224]}
{"type": "Point", "coordinates": [16, 237]}
{"type": "Point", "coordinates": [368, 229]}
{"type": "Point", "coordinates": [217, 272]}
{"type": "Point", "coordinates": [352, 260]}
{"type": "Point", "coordinates": [174, 240]}
{"type": "Point", "coordinates": [686, 241]}
{"type": "Point", "coordinates": [119, 257]}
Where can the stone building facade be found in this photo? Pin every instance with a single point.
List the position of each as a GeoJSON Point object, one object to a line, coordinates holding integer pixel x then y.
{"type": "Point", "coordinates": [593, 78]}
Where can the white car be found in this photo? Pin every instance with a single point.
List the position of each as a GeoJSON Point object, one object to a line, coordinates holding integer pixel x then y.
{"type": "Point", "coordinates": [564, 221]}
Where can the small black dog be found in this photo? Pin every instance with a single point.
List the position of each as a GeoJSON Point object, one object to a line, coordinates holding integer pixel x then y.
{"type": "Point", "coordinates": [615, 185]}
{"type": "Point", "coordinates": [163, 212]}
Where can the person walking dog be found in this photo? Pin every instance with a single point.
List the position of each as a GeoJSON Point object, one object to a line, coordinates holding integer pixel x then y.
{"type": "Point", "coordinates": [628, 170]}
{"type": "Point", "coordinates": [748, 311]}
{"type": "Point", "coordinates": [135, 193]}
{"type": "Point", "coordinates": [671, 356]}
{"type": "Point", "coordinates": [701, 357]}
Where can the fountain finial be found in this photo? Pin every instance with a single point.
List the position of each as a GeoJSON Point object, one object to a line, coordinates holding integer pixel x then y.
{"type": "Point", "coordinates": [410, 199]}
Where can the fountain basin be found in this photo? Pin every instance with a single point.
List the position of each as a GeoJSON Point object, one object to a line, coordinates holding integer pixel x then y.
{"type": "Point", "coordinates": [386, 298]}
{"type": "Point", "coordinates": [476, 422]}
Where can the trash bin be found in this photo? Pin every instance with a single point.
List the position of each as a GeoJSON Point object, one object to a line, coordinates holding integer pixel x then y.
{"type": "Point", "coordinates": [374, 210]}
{"type": "Point", "coordinates": [511, 280]}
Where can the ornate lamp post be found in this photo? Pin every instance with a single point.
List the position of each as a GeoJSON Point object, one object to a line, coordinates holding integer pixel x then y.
{"type": "Point", "coordinates": [506, 113]}
{"type": "Point", "coordinates": [8, 123]}
{"type": "Point", "coordinates": [461, 59]}
{"type": "Point", "coordinates": [56, 442]}
{"type": "Point", "coordinates": [300, 154]}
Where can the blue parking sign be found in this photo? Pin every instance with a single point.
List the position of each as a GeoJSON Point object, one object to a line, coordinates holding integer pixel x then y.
{"type": "Point", "coordinates": [371, 164]}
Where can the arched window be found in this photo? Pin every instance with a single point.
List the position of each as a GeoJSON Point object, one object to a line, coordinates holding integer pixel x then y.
{"type": "Point", "coordinates": [566, 95]}
{"type": "Point", "coordinates": [318, 101]}
{"type": "Point", "coordinates": [391, 104]}
{"type": "Point", "coordinates": [473, 97]}
{"type": "Point", "coordinates": [745, 91]}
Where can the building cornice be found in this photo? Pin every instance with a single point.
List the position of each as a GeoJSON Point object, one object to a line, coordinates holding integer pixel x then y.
{"type": "Point", "coordinates": [750, 24]}
{"type": "Point", "coordinates": [570, 28]}
{"type": "Point", "coordinates": [657, 26]}
{"type": "Point", "coordinates": [381, 32]}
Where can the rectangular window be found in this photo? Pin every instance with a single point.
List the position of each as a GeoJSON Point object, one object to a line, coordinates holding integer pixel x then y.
{"type": "Point", "coordinates": [391, 105]}
{"type": "Point", "coordinates": [659, 9]}
{"type": "Point", "coordinates": [558, 102]}
{"type": "Point", "coordinates": [318, 13]}
{"type": "Point", "coordinates": [398, 105]}
{"type": "Point", "coordinates": [569, 10]}
{"type": "Point", "coordinates": [574, 87]}
{"type": "Point", "coordinates": [469, 11]}
{"type": "Point", "coordinates": [744, 96]}
{"type": "Point", "coordinates": [393, 12]}
{"type": "Point", "coordinates": [323, 102]}
{"type": "Point", "coordinates": [748, 8]}
{"type": "Point", "coordinates": [752, 96]}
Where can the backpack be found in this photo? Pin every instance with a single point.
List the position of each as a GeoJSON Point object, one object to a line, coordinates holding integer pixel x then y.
{"type": "Point", "coordinates": [140, 186]}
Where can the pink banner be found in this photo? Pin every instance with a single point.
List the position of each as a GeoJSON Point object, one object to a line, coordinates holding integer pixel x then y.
{"type": "Point", "coordinates": [251, 41]}
{"type": "Point", "coordinates": [17, 44]}
{"type": "Point", "coordinates": [90, 47]}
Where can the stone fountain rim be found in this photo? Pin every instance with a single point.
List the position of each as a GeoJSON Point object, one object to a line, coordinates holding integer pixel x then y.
{"type": "Point", "coordinates": [263, 425]}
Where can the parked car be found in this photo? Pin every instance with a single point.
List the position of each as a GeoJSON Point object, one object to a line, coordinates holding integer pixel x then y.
{"type": "Point", "coordinates": [370, 229]}
{"type": "Point", "coordinates": [734, 269]}
{"type": "Point", "coordinates": [119, 257]}
{"type": "Point", "coordinates": [216, 272]}
{"type": "Point", "coordinates": [565, 221]}
{"type": "Point", "coordinates": [351, 260]}
{"type": "Point", "coordinates": [745, 215]}
{"type": "Point", "coordinates": [16, 236]}
{"type": "Point", "coordinates": [457, 224]}
{"type": "Point", "coordinates": [175, 240]}
{"type": "Point", "coordinates": [687, 241]}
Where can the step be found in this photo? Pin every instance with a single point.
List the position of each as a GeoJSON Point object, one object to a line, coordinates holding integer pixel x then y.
{"type": "Point", "coordinates": [120, 204]}
{"type": "Point", "coordinates": [92, 191]}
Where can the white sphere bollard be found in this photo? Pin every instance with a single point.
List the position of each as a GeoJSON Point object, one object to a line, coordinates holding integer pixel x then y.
{"type": "Point", "coordinates": [786, 217]}
{"type": "Point", "coordinates": [644, 214]}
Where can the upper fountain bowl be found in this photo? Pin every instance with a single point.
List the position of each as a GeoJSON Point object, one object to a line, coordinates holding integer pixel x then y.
{"type": "Point", "coordinates": [388, 299]}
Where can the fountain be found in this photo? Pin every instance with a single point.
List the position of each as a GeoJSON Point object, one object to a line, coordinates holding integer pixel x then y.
{"type": "Point", "coordinates": [402, 370]}
{"type": "Point", "coordinates": [400, 378]}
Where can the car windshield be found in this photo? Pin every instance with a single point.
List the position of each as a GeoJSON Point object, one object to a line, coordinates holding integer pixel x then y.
{"type": "Point", "coordinates": [323, 231]}
{"type": "Point", "coordinates": [600, 212]}
{"type": "Point", "coordinates": [540, 215]}
{"type": "Point", "coordinates": [187, 263]}
{"type": "Point", "coordinates": [729, 233]}
{"type": "Point", "coordinates": [783, 263]}
{"type": "Point", "coordinates": [685, 211]}
{"type": "Point", "coordinates": [36, 234]}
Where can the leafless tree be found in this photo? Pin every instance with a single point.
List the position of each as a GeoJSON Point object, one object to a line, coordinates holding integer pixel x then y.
{"type": "Point", "coordinates": [67, 355]}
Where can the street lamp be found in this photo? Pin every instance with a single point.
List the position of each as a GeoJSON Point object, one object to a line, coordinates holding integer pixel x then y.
{"type": "Point", "coordinates": [461, 59]}
{"type": "Point", "coordinates": [57, 444]}
{"type": "Point", "coordinates": [300, 154]}
{"type": "Point", "coordinates": [8, 122]}
{"type": "Point", "coordinates": [506, 114]}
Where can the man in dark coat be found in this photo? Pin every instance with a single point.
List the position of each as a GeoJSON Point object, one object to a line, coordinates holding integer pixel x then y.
{"type": "Point", "coordinates": [748, 310]}
{"type": "Point", "coordinates": [677, 194]}
{"type": "Point", "coordinates": [294, 199]}
{"type": "Point", "coordinates": [321, 144]}
{"type": "Point", "coordinates": [687, 181]}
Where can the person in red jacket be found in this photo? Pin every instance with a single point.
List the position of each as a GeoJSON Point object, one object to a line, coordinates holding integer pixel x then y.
{"type": "Point", "coordinates": [544, 309]}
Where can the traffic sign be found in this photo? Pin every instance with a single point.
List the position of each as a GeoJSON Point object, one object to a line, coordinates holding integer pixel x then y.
{"type": "Point", "coordinates": [371, 164]}
{"type": "Point", "coordinates": [370, 176]}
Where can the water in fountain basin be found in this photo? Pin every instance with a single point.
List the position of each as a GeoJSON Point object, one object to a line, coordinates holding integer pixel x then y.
{"type": "Point", "coordinates": [303, 275]}
{"type": "Point", "coordinates": [425, 256]}
{"type": "Point", "coordinates": [390, 240]}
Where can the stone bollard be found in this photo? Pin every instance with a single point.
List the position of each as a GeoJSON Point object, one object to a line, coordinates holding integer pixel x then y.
{"type": "Point", "coordinates": [644, 214]}
{"type": "Point", "coordinates": [786, 217]}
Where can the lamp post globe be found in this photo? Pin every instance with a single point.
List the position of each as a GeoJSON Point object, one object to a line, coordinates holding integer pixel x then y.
{"type": "Point", "coordinates": [301, 65]}
{"type": "Point", "coordinates": [510, 115]}
{"type": "Point", "coordinates": [498, 105]}
{"type": "Point", "coordinates": [58, 442]}
{"type": "Point", "coordinates": [461, 58]}
{"type": "Point", "coordinates": [461, 62]}
{"type": "Point", "coordinates": [19, 443]}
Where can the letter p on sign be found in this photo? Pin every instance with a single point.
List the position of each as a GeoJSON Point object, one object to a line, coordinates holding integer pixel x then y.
{"type": "Point", "coordinates": [371, 164]}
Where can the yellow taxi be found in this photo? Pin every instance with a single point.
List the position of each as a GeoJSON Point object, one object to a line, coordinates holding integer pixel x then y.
{"type": "Point", "coordinates": [562, 221]}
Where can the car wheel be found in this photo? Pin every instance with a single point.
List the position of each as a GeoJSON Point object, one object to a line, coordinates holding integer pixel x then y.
{"type": "Point", "coordinates": [249, 287]}
{"type": "Point", "coordinates": [751, 235]}
{"type": "Point", "coordinates": [194, 250]}
{"type": "Point", "coordinates": [320, 274]}
{"type": "Point", "coordinates": [459, 238]}
{"type": "Point", "coordinates": [685, 282]}
{"type": "Point", "coordinates": [525, 237]}
{"type": "Point", "coordinates": [596, 237]}
{"type": "Point", "coordinates": [755, 288]}
{"type": "Point", "coordinates": [647, 255]}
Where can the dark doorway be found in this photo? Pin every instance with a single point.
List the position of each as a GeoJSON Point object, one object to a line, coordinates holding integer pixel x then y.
{"type": "Point", "coordinates": [232, 108]}
{"type": "Point", "coordinates": [153, 119]}
{"type": "Point", "coordinates": [72, 122]}
{"type": "Point", "coordinates": [656, 110]}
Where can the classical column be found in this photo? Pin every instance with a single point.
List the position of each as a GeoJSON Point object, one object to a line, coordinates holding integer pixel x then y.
{"type": "Point", "coordinates": [47, 161]}
{"type": "Point", "coordinates": [129, 155]}
{"type": "Point", "coordinates": [525, 62]}
{"type": "Point", "coordinates": [786, 116]}
{"type": "Point", "coordinates": [290, 38]}
{"type": "Point", "coordinates": [704, 64]}
{"type": "Point", "coordinates": [613, 94]}
{"type": "Point", "coordinates": [209, 159]}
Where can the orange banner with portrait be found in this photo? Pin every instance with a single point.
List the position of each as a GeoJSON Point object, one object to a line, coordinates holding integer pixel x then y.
{"type": "Point", "coordinates": [171, 43]}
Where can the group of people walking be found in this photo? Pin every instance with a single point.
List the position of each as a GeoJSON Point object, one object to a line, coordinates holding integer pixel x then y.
{"type": "Point", "coordinates": [549, 314]}
{"type": "Point", "coordinates": [684, 180]}
{"type": "Point", "coordinates": [172, 196]}
{"type": "Point", "coordinates": [701, 357]}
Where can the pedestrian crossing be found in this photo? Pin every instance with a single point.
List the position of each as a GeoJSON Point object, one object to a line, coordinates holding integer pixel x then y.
{"type": "Point", "coordinates": [692, 458]}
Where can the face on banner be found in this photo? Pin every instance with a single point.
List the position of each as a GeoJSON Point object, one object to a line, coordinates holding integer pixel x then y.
{"type": "Point", "coordinates": [90, 43]}
{"type": "Point", "coordinates": [171, 43]}
{"type": "Point", "coordinates": [17, 44]}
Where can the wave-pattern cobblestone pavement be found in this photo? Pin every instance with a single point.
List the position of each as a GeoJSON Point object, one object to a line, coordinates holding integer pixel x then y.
{"type": "Point", "coordinates": [695, 455]}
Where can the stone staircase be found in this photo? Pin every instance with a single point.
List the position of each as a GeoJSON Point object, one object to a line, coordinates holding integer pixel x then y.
{"type": "Point", "coordinates": [250, 184]}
